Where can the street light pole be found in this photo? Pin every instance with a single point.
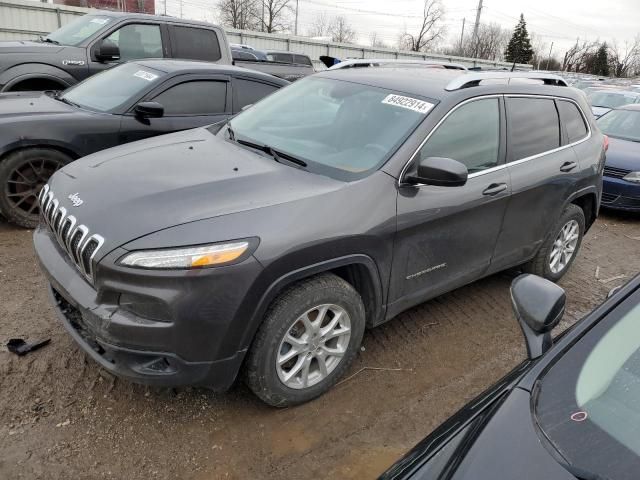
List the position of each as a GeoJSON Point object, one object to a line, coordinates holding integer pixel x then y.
{"type": "Point", "coordinates": [295, 32]}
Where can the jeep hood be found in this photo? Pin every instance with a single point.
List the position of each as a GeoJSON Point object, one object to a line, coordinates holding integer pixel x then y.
{"type": "Point", "coordinates": [136, 189]}
{"type": "Point", "coordinates": [26, 46]}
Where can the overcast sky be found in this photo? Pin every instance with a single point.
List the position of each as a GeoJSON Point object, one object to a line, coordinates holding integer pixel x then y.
{"type": "Point", "coordinates": [557, 21]}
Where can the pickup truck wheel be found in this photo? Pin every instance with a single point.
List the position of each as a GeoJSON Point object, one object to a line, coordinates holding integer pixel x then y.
{"type": "Point", "coordinates": [561, 247]}
{"type": "Point", "coordinates": [23, 173]}
{"type": "Point", "coordinates": [309, 337]}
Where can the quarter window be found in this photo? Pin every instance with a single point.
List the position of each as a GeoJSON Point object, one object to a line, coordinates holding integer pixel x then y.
{"type": "Point", "coordinates": [206, 97]}
{"type": "Point", "coordinates": [534, 126]}
{"type": "Point", "coordinates": [137, 41]}
{"type": "Point", "coordinates": [471, 135]}
{"type": "Point", "coordinates": [248, 92]}
{"type": "Point", "coordinates": [572, 120]}
{"type": "Point", "coordinates": [195, 44]}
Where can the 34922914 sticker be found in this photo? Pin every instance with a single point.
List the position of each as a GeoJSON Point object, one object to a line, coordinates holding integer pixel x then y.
{"type": "Point", "coordinates": [409, 103]}
{"type": "Point", "coordinates": [148, 76]}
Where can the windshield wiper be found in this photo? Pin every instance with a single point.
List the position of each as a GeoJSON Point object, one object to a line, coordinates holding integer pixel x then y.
{"type": "Point", "coordinates": [277, 156]}
{"type": "Point", "coordinates": [232, 135]}
{"type": "Point", "coordinates": [48, 40]}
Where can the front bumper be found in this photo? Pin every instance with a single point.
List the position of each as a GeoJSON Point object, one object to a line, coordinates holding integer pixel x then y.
{"type": "Point", "coordinates": [195, 345]}
{"type": "Point", "coordinates": [620, 194]}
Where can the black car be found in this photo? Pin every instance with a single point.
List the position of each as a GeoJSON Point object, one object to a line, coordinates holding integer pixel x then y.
{"type": "Point", "coordinates": [270, 243]}
{"type": "Point", "coordinates": [41, 132]}
{"type": "Point", "coordinates": [571, 411]}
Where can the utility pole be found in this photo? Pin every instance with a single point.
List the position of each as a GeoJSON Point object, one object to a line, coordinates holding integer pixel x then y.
{"type": "Point", "coordinates": [475, 28]}
{"type": "Point", "coordinates": [461, 35]}
{"type": "Point", "coordinates": [295, 32]}
{"type": "Point", "coordinates": [262, 22]}
{"type": "Point", "coordinates": [549, 59]}
{"type": "Point", "coordinates": [180, 8]}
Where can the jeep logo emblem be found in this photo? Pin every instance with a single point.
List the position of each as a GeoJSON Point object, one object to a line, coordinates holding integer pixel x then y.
{"type": "Point", "coordinates": [75, 199]}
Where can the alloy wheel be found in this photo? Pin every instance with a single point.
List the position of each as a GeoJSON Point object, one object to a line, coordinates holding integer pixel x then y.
{"type": "Point", "coordinates": [564, 246]}
{"type": "Point", "coordinates": [26, 181]}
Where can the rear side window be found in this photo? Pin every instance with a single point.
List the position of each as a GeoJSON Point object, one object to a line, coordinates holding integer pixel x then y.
{"type": "Point", "coordinates": [202, 97]}
{"type": "Point", "coordinates": [302, 59]}
{"type": "Point", "coordinates": [248, 92]}
{"type": "Point", "coordinates": [471, 135]}
{"type": "Point", "coordinates": [281, 57]}
{"type": "Point", "coordinates": [572, 120]}
{"type": "Point", "coordinates": [195, 44]}
{"type": "Point", "coordinates": [534, 126]}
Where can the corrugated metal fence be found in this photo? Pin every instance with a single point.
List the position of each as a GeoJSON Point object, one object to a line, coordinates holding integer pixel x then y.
{"type": "Point", "coordinates": [25, 20]}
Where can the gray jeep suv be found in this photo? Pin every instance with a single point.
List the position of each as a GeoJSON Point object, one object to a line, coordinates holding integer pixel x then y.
{"type": "Point", "coordinates": [268, 244]}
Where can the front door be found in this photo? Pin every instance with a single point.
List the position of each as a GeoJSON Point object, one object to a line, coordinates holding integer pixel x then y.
{"type": "Point", "coordinates": [446, 235]}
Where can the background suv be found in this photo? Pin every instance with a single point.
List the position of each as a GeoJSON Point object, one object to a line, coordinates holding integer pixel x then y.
{"type": "Point", "coordinates": [269, 243]}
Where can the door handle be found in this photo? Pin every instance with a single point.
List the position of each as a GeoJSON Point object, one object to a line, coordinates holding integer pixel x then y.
{"type": "Point", "coordinates": [568, 166]}
{"type": "Point", "coordinates": [495, 188]}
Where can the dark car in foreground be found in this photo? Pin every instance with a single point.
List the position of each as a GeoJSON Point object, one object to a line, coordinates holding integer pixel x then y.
{"type": "Point", "coordinates": [621, 185]}
{"type": "Point", "coordinates": [571, 411]}
{"type": "Point", "coordinates": [268, 245]}
{"type": "Point", "coordinates": [42, 132]}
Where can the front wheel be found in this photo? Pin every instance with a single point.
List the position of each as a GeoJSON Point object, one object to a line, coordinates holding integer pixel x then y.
{"type": "Point", "coordinates": [310, 336]}
{"type": "Point", "coordinates": [23, 173]}
{"type": "Point", "coordinates": [561, 248]}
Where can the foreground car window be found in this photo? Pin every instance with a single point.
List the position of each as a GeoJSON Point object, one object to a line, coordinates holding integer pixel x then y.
{"type": "Point", "coordinates": [624, 124]}
{"type": "Point", "coordinates": [76, 32]}
{"type": "Point", "coordinates": [111, 89]}
{"type": "Point", "coordinates": [589, 402]}
{"type": "Point", "coordinates": [339, 128]}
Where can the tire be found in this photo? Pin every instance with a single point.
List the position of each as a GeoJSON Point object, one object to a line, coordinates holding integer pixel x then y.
{"type": "Point", "coordinates": [542, 263]}
{"type": "Point", "coordinates": [23, 173]}
{"type": "Point", "coordinates": [326, 293]}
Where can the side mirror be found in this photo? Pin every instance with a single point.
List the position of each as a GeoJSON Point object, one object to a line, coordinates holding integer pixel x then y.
{"type": "Point", "coordinates": [149, 110]}
{"type": "Point", "coordinates": [443, 172]}
{"type": "Point", "coordinates": [539, 306]}
{"type": "Point", "coordinates": [107, 51]}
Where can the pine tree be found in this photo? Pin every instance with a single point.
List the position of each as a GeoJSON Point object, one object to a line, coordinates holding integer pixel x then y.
{"type": "Point", "coordinates": [601, 61]}
{"type": "Point", "coordinates": [519, 49]}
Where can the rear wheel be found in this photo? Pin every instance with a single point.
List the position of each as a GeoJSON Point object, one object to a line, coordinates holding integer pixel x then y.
{"type": "Point", "coordinates": [23, 173]}
{"type": "Point", "coordinates": [310, 336]}
{"type": "Point", "coordinates": [561, 247]}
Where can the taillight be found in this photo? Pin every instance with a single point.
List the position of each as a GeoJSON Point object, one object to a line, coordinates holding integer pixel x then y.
{"type": "Point", "coordinates": [606, 143]}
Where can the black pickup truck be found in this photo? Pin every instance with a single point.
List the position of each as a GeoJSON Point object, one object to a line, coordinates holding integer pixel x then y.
{"type": "Point", "coordinates": [100, 40]}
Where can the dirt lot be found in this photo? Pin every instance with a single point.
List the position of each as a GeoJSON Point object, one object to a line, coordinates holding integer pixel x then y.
{"type": "Point", "coordinates": [61, 417]}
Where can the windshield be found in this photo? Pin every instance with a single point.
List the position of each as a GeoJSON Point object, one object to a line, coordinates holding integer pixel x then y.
{"type": "Point", "coordinates": [77, 31]}
{"type": "Point", "coordinates": [611, 99]}
{"type": "Point", "coordinates": [341, 129]}
{"type": "Point", "coordinates": [589, 403]}
{"type": "Point", "coordinates": [624, 124]}
{"type": "Point", "coordinates": [111, 89]}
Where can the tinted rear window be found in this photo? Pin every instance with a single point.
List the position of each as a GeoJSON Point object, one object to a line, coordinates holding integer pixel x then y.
{"type": "Point", "coordinates": [206, 97]}
{"type": "Point", "coordinates": [534, 126]}
{"type": "Point", "coordinates": [572, 120]}
{"type": "Point", "coordinates": [302, 59]}
{"type": "Point", "coordinates": [248, 92]}
{"type": "Point", "coordinates": [195, 44]}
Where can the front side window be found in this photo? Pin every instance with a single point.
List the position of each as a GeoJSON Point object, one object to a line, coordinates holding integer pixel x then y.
{"type": "Point", "coordinates": [623, 124]}
{"type": "Point", "coordinates": [77, 31]}
{"type": "Point", "coordinates": [470, 135]}
{"type": "Point", "coordinates": [534, 126]}
{"type": "Point", "coordinates": [110, 90]}
{"type": "Point", "coordinates": [137, 41]}
{"type": "Point", "coordinates": [572, 120]}
{"type": "Point", "coordinates": [341, 129]}
{"type": "Point", "coordinates": [207, 97]}
{"type": "Point", "coordinates": [195, 44]}
{"type": "Point", "coordinates": [588, 403]}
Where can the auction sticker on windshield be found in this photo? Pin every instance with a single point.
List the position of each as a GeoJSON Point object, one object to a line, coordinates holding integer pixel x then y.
{"type": "Point", "coordinates": [148, 76]}
{"type": "Point", "coordinates": [414, 104]}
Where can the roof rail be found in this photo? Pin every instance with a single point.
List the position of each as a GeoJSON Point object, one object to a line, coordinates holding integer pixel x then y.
{"type": "Point", "coordinates": [379, 62]}
{"type": "Point", "coordinates": [474, 79]}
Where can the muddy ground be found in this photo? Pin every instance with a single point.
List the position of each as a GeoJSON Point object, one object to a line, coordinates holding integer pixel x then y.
{"type": "Point", "coordinates": [61, 417]}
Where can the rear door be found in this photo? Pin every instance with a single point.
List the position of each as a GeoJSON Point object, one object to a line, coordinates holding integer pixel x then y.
{"type": "Point", "coordinates": [189, 101]}
{"type": "Point", "coordinates": [544, 170]}
{"type": "Point", "coordinates": [446, 236]}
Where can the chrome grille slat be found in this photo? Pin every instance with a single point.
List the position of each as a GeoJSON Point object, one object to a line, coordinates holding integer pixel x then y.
{"type": "Point", "coordinates": [74, 238]}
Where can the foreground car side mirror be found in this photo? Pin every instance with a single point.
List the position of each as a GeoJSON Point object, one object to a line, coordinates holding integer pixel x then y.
{"type": "Point", "coordinates": [149, 110]}
{"type": "Point", "coordinates": [439, 171]}
{"type": "Point", "coordinates": [539, 306]}
{"type": "Point", "coordinates": [107, 51]}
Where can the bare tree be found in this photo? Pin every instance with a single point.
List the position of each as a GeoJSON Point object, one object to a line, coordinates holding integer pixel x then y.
{"type": "Point", "coordinates": [431, 29]}
{"type": "Point", "coordinates": [241, 14]}
{"type": "Point", "coordinates": [625, 60]}
{"type": "Point", "coordinates": [319, 26]}
{"type": "Point", "coordinates": [489, 45]}
{"type": "Point", "coordinates": [578, 56]}
{"type": "Point", "coordinates": [273, 15]}
{"type": "Point", "coordinates": [376, 42]}
{"type": "Point", "coordinates": [341, 31]}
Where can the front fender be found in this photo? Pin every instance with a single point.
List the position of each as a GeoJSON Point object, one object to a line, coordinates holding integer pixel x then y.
{"type": "Point", "coordinates": [8, 147]}
{"type": "Point", "coordinates": [26, 71]}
